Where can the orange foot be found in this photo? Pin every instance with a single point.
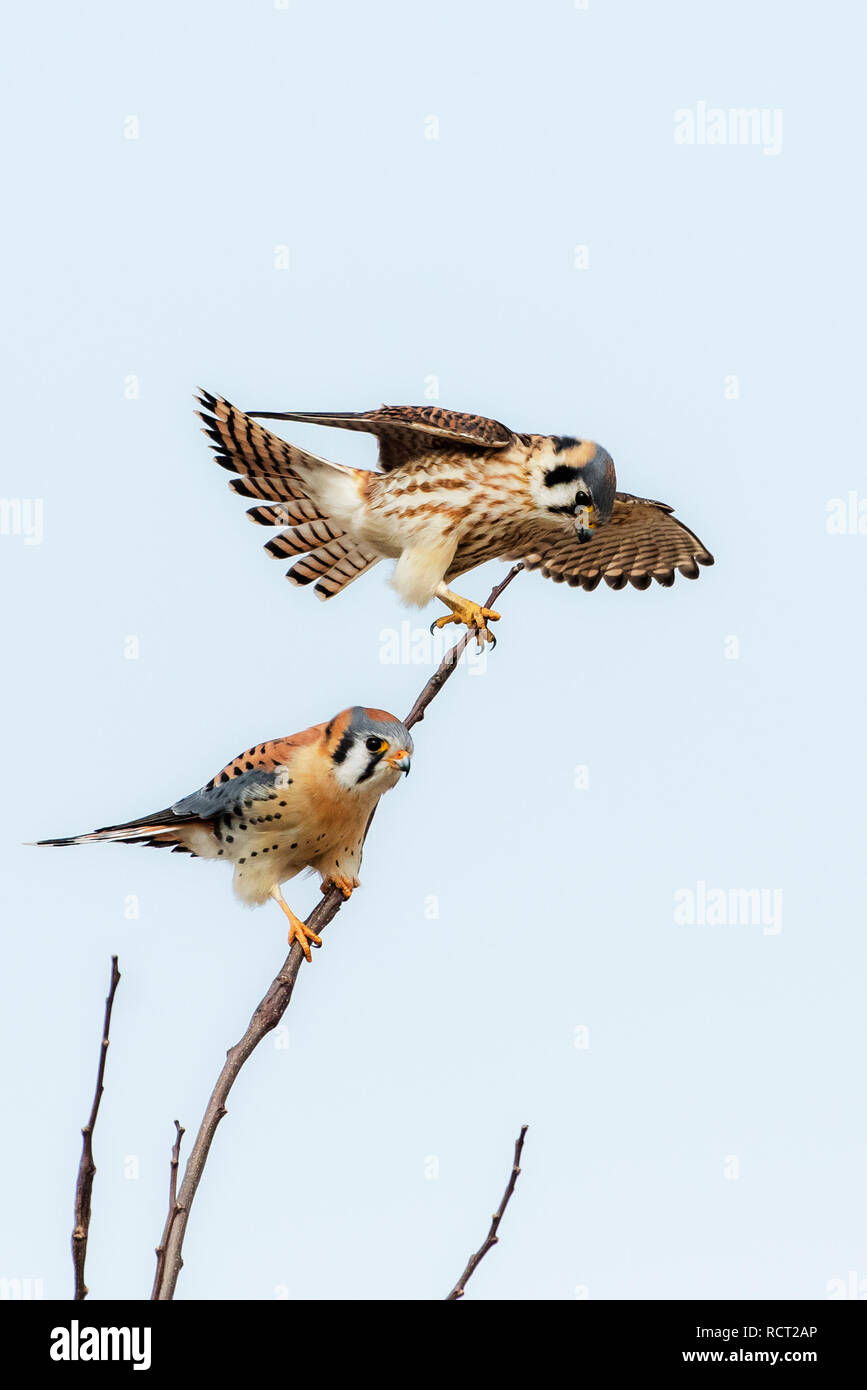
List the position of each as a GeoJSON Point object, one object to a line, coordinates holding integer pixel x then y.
{"type": "Point", "coordinates": [298, 930]}
{"type": "Point", "coordinates": [346, 885]}
{"type": "Point", "coordinates": [471, 615]}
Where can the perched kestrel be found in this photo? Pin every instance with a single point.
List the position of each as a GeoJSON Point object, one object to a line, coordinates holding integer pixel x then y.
{"type": "Point", "coordinates": [290, 804]}
{"type": "Point", "coordinates": [453, 491]}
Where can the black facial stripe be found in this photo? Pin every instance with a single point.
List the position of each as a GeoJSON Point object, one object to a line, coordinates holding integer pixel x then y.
{"type": "Point", "coordinates": [563, 473]}
{"type": "Point", "coordinates": [565, 441]}
{"type": "Point", "coordinates": [568, 510]}
{"type": "Point", "coordinates": [343, 747]}
{"type": "Point", "coordinates": [369, 770]}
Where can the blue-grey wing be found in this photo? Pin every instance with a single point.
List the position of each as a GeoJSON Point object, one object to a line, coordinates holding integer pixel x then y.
{"type": "Point", "coordinates": [231, 797]}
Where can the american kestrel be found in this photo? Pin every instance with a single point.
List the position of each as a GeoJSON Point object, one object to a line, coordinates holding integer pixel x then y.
{"type": "Point", "coordinates": [453, 490]}
{"type": "Point", "coordinates": [283, 806]}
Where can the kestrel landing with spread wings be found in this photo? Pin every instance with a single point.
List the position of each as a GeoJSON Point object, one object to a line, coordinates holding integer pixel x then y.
{"type": "Point", "coordinates": [283, 806]}
{"type": "Point", "coordinates": [452, 491]}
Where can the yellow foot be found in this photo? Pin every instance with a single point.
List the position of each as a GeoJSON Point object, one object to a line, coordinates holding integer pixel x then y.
{"type": "Point", "coordinates": [473, 616]}
{"type": "Point", "coordinates": [298, 930]}
{"type": "Point", "coordinates": [345, 885]}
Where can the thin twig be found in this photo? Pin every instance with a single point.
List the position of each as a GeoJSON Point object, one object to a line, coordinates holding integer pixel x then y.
{"type": "Point", "coordinates": [268, 1014]}
{"type": "Point", "coordinates": [173, 1205]}
{"type": "Point", "coordinates": [86, 1166]}
{"type": "Point", "coordinates": [491, 1238]}
{"type": "Point", "coordinates": [452, 657]}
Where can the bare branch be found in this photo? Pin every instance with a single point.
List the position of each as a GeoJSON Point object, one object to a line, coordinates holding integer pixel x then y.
{"type": "Point", "coordinates": [268, 1014]}
{"type": "Point", "coordinates": [86, 1166]}
{"type": "Point", "coordinates": [452, 657]}
{"type": "Point", "coordinates": [491, 1238]}
{"type": "Point", "coordinates": [173, 1206]}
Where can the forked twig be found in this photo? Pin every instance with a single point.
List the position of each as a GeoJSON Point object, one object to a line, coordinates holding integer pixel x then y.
{"type": "Point", "coordinates": [86, 1165]}
{"type": "Point", "coordinates": [491, 1238]}
{"type": "Point", "coordinates": [173, 1205]}
{"type": "Point", "coordinates": [268, 1014]}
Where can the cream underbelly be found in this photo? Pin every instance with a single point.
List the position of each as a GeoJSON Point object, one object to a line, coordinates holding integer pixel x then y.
{"type": "Point", "coordinates": [269, 860]}
{"type": "Point", "coordinates": [266, 855]}
{"type": "Point", "coordinates": [261, 856]}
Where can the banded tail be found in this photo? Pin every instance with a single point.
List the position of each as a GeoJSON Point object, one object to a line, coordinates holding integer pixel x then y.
{"type": "Point", "coordinates": [158, 830]}
{"type": "Point", "coordinates": [313, 498]}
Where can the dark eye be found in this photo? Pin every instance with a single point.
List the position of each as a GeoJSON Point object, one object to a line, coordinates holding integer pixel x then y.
{"type": "Point", "coordinates": [373, 743]}
{"type": "Point", "coordinates": [583, 499]}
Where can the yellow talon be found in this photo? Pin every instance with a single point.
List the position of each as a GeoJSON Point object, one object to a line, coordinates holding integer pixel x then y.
{"type": "Point", "coordinates": [346, 885]}
{"type": "Point", "coordinates": [298, 930]}
{"type": "Point", "coordinates": [472, 615]}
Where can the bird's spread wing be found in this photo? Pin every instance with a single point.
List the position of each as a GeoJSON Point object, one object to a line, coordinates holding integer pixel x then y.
{"type": "Point", "coordinates": [642, 541]}
{"type": "Point", "coordinates": [408, 431]}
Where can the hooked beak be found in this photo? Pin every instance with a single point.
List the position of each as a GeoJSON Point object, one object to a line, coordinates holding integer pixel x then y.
{"type": "Point", "coordinates": [400, 761]}
{"type": "Point", "coordinates": [585, 524]}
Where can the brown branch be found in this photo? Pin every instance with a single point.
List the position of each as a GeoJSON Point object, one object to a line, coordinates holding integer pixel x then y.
{"type": "Point", "coordinates": [173, 1206]}
{"type": "Point", "coordinates": [268, 1014]}
{"type": "Point", "coordinates": [491, 1238]}
{"type": "Point", "coordinates": [86, 1165]}
{"type": "Point", "coordinates": [452, 657]}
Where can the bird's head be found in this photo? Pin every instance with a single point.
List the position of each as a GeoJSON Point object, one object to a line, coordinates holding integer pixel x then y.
{"type": "Point", "coordinates": [575, 478]}
{"type": "Point", "coordinates": [368, 748]}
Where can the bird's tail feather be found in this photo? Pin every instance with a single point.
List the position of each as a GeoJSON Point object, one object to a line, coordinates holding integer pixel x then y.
{"type": "Point", "coordinates": [332, 567]}
{"type": "Point", "coordinates": [308, 536]}
{"type": "Point", "coordinates": [311, 496]}
{"type": "Point", "coordinates": [148, 830]}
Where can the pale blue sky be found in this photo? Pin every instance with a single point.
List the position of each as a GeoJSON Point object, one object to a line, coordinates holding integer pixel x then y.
{"type": "Point", "coordinates": [710, 1141]}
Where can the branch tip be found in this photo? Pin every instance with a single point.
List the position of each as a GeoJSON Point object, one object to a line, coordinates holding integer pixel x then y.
{"type": "Point", "coordinates": [491, 1239]}
{"type": "Point", "coordinates": [86, 1165]}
